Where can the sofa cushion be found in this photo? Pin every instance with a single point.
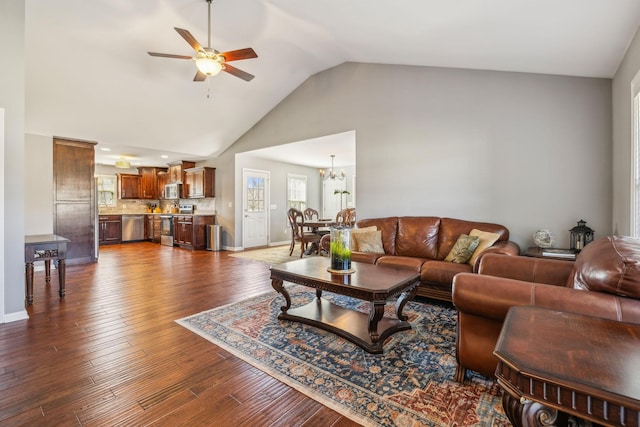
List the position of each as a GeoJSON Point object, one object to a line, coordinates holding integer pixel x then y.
{"type": "Point", "coordinates": [401, 261]}
{"type": "Point", "coordinates": [451, 228]}
{"type": "Point", "coordinates": [358, 230]}
{"type": "Point", "coordinates": [441, 272]}
{"type": "Point", "coordinates": [418, 237]}
{"type": "Point", "coordinates": [463, 249]}
{"type": "Point", "coordinates": [369, 242]}
{"type": "Point", "coordinates": [389, 228]}
{"type": "Point", "coordinates": [610, 264]}
{"type": "Point", "coordinates": [486, 239]}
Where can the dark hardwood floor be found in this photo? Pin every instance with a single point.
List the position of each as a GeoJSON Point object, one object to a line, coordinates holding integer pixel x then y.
{"type": "Point", "coordinates": [111, 354]}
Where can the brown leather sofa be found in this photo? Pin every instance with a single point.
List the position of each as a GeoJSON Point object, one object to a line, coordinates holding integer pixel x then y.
{"type": "Point", "coordinates": [422, 243]}
{"type": "Point", "coordinates": [604, 281]}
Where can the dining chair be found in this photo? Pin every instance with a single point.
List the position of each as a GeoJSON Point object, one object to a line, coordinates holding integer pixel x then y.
{"type": "Point", "coordinates": [298, 234]}
{"type": "Point", "coordinates": [310, 213]}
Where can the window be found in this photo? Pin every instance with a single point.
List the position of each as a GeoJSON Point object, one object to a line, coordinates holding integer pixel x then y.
{"type": "Point", "coordinates": [255, 194]}
{"type": "Point", "coordinates": [106, 190]}
{"type": "Point", "coordinates": [296, 192]}
{"type": "Point", "coordinates": [635, 167]}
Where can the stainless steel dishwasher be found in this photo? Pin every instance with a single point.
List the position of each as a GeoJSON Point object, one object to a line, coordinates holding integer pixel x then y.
{"type": "Point", "coordinates": [132, 228]}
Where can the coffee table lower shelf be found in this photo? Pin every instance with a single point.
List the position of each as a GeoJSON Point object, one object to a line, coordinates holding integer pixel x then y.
{"type": "Point", "coordinates": [349, 324]}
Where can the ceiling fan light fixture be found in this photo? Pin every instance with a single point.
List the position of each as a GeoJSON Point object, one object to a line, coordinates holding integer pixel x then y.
{"type": "Point", "coordinates": [208, 66]}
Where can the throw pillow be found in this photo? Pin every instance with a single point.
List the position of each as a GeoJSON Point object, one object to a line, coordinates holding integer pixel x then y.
{"type": "Point", "coordinates": [463, 249]}
{"type": "Point", "coordinates": [354, 231]}
{"type": "Point", "coordinates": [369, 241]}
{"type": "Point", "coordinates": [486, 239]}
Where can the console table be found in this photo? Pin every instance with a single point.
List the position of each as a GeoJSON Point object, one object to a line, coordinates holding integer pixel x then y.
{"type": "Point", "coordinates": [552, 363]}
{"type": "Point", "coordinates": [44, 247]}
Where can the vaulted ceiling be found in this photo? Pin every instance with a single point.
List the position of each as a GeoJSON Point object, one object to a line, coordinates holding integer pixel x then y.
{"type": "Point", "coordinates": [88, 75]}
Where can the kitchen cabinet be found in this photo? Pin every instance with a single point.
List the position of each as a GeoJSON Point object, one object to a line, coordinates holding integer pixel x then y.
{"type": "Point", "coordinates": [176, 171]}
{"type": "Point", "coordinates": [74, 198]}
{"type": "Point", "coordinates": [183, 230]}
{"type": "Point", "coordinates": [129, 186]}
{"type": "Point", "coordinates": [163, 179]}
{"type": "Point", "coordinates": [200, 182]}
{"type": "Point", "coordinates": [190, 231]}
{"type": "Point", "coordinates": [109, 229]}
{"type": "Point", "coordinates": [149, 182]}
{"type": "Point", "coordinates": [152, 228]}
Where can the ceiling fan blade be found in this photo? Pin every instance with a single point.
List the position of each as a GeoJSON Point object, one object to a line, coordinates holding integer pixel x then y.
{"type": "Point", "coordinates": [189, 38]}
{"type": "Point", "coordinates": [238, 73]}
{"type": "Point", "coordinates": [235, 55]}
{"type": "Point", "coordinates": [169, 55]}
{"type": "Point", "coordinates": [200, 77]}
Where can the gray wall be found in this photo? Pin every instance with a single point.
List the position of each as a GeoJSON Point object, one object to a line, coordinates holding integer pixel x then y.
{"type": "Point", "coordinates": [12, 92]}
{"type": "Point", "coordinates": [623, 138]}
{"type": "Point", "coordinates": [524, 150]}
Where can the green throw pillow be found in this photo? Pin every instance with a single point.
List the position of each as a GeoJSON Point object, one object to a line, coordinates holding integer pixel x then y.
{"type": "Point", "coordinates": [463, 249]}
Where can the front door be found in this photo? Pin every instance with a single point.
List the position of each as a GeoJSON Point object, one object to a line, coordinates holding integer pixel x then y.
{"type": "Point", "coordinates": [255, 196]}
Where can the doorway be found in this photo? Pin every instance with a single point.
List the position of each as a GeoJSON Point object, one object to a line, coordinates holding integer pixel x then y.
{"type": "Point", "coordinates": [255, 208]}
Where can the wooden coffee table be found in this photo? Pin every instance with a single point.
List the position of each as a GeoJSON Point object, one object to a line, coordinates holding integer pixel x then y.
{"type": "Point", "coordinates": [375, 284]}
{"type": "Point", "coordinates": [552, 363]}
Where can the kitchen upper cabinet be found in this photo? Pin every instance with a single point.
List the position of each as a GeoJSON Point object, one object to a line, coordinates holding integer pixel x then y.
{"type": "Point", "coordinates": [149, 182]}
{"type": "Point", "coordinates": [163, 179]}
{"type": "Point", "coordinates": [200, 182]}
{"type": "Point", "coordinates": [109, 229]}
{"type": "Point", "coordinates": [176, 171]}
{"type": "Point", "coordinates": [129, 186]}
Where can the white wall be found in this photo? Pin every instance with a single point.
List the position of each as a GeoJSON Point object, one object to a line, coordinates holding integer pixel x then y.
{"type": "Point", "coordinates": [622, 137]}
{"type": "Point", "coordinates": [12, 94]}
{"type": "Point", "coordinates": [524, 150]}
{"type": "Point", "coordinates": [38, 184]}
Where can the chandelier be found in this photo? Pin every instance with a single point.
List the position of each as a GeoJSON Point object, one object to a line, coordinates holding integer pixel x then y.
{"type": "Point", "coordinates": [332, 174]}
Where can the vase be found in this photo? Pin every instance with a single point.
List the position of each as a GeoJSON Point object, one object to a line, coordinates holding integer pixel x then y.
{"type": "Point", "coordinates": [340, 248]}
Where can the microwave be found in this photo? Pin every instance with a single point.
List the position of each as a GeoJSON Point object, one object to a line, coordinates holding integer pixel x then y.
{"type": "Point", "coordinates": [173, 191]}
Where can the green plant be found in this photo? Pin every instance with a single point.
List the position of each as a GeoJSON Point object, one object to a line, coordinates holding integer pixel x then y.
{"type": "Point", "coordinates": [339, 251]}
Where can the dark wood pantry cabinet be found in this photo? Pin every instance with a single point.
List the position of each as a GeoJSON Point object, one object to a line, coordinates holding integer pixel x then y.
{"type": "Point", "coordinates": [74, 198]}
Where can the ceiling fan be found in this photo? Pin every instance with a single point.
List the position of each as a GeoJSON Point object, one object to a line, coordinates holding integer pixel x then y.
{"type": "Point", "coordinates": [209, 61]}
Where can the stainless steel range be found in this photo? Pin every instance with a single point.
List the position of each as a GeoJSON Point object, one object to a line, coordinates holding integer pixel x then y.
{"type": "Point", "coordinates": [186, 209]}
{"type": "Point", "coordinates": [166, 230]}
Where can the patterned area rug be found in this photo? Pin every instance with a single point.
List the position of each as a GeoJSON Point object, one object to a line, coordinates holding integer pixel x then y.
{"type": "Point", "coordinates": [411, 384]}
{"type": "Point", "coordinates": [272, 255]}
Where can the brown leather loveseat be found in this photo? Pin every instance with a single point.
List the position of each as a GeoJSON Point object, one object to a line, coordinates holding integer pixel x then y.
{"type": "Point", "coordinates": [423, 243]}
{"type": "Point", "coordinates": [604, 281]}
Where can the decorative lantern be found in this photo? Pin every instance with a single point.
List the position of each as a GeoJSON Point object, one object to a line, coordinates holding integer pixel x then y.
{"type": "Point", "coordinates": [340, 249]}
{"type": "Point", "coordinates": [580, 236]}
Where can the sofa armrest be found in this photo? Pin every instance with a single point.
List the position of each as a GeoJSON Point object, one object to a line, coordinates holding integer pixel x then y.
{"type": "Point", "coordinates": [491, 298]}
{"type": "Point", "coordinates": [505, 247]}
{"type": "Point", "coordinates": [528, 269]}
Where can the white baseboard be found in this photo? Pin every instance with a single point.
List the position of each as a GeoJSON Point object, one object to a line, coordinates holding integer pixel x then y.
{"type": "Point", "coordinates": [14, 317]}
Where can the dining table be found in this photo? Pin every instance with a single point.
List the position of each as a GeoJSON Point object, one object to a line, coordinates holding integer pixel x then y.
{"type": "Point", "coordinates": [316, 227]}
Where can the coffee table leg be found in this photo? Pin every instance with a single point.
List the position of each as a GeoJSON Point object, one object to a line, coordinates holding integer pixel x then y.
{"type": "Point", "coordinates": [525, 413]}
{"type": "Point", "coordinates": [47, 271]}
{"type": "Point", "coordinates": [375, 314]}
{"type": "Point", "coordinates": [402, 301]}
{"type": "Point", "coordinates": [318, 293]}
{"type": "Point", "coordinates": [277, 285]}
